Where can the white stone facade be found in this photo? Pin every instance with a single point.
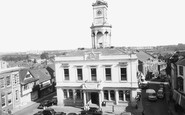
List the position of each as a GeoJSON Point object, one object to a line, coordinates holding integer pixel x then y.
{"type": "Point", "coordinates": [94, 77]}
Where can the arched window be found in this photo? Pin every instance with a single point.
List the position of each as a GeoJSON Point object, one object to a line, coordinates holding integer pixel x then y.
{"type": "Point", "coordinates": [121, 95]}
{"type": "Point", "coordinates": [78, 95]}
{"type": "Point", "coordinates": [65, 93]}
{"type": "Point", "coordinates": [106, 96]}
{"type": "Point", "coordinates": [112, 95]}
{"type": "Point", "coordinates": [71, 94]}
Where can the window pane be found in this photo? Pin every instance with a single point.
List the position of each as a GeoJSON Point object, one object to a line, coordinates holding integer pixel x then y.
{"type": "Point", "coordinates": [79, 73]}
{"type": "Point", "coordinates": [16, 94]}
{"type": "Point", "coordinates": [123, 74]}
{"type": "Point", "coordinates": [9, 97]}
{"type": "Point", "coordinates": [112, 95]}
{"type": "Point", "coordinates": [65, 93]}
{"type": "Point", "coordinates": [180, 70]}
{"type": "Point", "coordinates": [2, 83]}
{"type": "Point", "coordinates": [70, 94]}
{"type": "Point", "coordinates": [78, 95]}
{"type": "Point", "coordinates": [108, 73]}
{"type": "Point", "coordinates": [66, 74]}
{"type": "Point", "coordinates": [3, 100]}
{"type": "Point", "coordinates": [121, 95]}
{"type": "Point", "coordinates": [106, 96]}
{"type": "Point", "coordinates": [93, 74]}
{"type": "Point", "coordinates": [8, 80]}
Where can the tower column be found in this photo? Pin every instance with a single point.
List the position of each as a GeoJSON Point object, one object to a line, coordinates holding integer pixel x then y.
{"type": "Point", "coordinates": [95, 40]}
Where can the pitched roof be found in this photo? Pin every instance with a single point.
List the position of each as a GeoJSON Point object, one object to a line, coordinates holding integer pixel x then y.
{"type": "Point", "coordinates": [104, 51]}
{"type": "Point", "coordinates": [181, 62]}
{"type": "Point", "coordinates": [42, 74]}
{"type": "Point", "coordinates": [23, 79]}
{"type": "Point", "coordinates": [143, 56]}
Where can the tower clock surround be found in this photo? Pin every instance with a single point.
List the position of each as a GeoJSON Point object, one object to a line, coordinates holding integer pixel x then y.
{"type": "Point", "coordinates": [100, 29]}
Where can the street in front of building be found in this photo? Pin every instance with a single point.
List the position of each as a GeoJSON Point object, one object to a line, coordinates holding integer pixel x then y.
{"type": "Point", "coordinates": [159, 107]}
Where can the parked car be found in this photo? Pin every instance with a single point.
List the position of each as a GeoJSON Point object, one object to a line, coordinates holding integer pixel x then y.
{"type": "Point", "coordinates": [49, 111]}
{"type": "Point", "coordinates": [60, 113]}
{"type": "Point", "coordinates": [45, 103]}
{"type": "Point", "coordinates": [151, 95]}
{"type": "Point", "coordinates": [160, 93]}
{"type": "Point", "coordinates": [92, 111]}
{"type": "Point", "coordinates": [54, 100]}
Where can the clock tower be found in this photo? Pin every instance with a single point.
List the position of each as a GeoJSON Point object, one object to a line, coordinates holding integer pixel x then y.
{"type": "Point", "coordinates": [100, 29]}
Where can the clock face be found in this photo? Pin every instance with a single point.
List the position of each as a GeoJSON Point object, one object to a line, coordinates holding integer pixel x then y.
{"type": "Point", "coordinates": [99, 12]}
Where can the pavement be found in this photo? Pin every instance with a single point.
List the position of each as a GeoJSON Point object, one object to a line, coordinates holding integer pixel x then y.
{"type": "Point", "coordinates": [107, 110]}
{"type": "Point", "coordinates": [30, 103]}
{"type": "Point", "coordinates": [172, 109]}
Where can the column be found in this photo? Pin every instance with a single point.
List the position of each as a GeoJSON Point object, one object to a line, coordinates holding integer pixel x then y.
{"type": "Point", "coordinates": [109, 95]}
{"type": "Point", "coordinates": [67, 93]}
{"type": "Point", "coordinates": [74, 96]}
{"type": "Point", "coordinates": [124, 96]}
{"type": "Point", "coordinates": [84, 95]}
{"type": "Point", "coordinates": [95, 40]}
{"type": "Point", "coordinates": [117, 96]}
{"type": "Point", "coordinates": [100, 99]}
{"type": "Point", "coordinates": [60, 96]}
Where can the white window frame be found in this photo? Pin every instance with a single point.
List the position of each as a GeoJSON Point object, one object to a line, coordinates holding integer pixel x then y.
{"type": "Point", "coordinates": [126, 73]}
{"type": "Point", "coordinates": [64, 73]}
{"type": "Point", "coordinates": [93, 67]}
{"type": "Point", "coordinates": [105, 73]}
{"type": "Point", "coordinates": [77, 73]}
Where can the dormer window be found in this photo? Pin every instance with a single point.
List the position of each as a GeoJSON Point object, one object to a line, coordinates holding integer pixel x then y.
{"type": "Point", "coordinates": [28, 76]}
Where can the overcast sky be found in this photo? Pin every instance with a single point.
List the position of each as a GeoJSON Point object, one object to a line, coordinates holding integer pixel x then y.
{"type": "Point", "coordinates": [65, 24]}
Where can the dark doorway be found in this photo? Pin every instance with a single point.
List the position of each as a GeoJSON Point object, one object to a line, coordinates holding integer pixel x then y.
{"type": "Point", "coordinates": [95, 98]}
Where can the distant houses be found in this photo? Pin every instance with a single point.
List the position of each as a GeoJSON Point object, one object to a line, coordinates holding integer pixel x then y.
{"type": "Point", "coordinates": [149, 65]}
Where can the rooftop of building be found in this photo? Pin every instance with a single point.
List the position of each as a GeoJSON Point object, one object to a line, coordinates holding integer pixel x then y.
{"type": "Point", "coordinates": [181, 62]}
{"type": "Point", "coordinates": [42, 74]}
{"type": "Point", "coordinates": [23, 79]}
{"type": "Point", "coordinates": [102, 51]}
{"type": "Point", "coordinates": [143, 56]}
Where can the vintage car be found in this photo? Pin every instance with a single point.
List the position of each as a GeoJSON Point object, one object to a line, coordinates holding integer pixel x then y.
{"type": "Point", "coordinates": [151, 95]}
{"type": "Point", "coordinates": [160, 93]}
{"type": "Point", "coordinates": [45, 103]}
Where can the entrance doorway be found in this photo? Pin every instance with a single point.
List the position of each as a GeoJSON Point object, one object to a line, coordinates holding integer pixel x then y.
{"type": "Point", "coordinates": [95, 98]}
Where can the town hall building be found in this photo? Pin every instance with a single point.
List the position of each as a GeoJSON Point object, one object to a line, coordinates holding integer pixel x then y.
{"type": "Point", "coordinates": [101, 74]}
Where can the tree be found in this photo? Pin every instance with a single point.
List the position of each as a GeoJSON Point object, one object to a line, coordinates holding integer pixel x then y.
{"type": "Point", "coordinates": [44, 55]}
